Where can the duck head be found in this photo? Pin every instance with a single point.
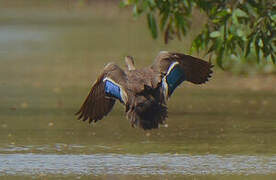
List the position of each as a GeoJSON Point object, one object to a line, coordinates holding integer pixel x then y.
{"type": "Point", "coordinates": [130, 63]}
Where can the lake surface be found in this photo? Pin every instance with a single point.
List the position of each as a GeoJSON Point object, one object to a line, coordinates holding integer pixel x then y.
{"type": "Point", "coordinates": [49, 57]}
{"type": "Point", "coordinates": [150, 164]}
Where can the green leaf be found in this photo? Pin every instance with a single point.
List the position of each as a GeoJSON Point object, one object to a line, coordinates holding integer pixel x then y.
{"type": "Point", "coordinates": [251, 10]}
{"type": "Point", "coordinates": [196, 45]}
{"type": "Point", "coordinates": [215, 34]}
{"type": "Point", "coordinates": [164, 20]}
{"type": "Point", "coordinates": [222, 14]}
{"type": "Point", "coordinates": [134, 10]}
{"type": "Point", "coordinates": [248, 46]}
{"type": "Point", "coordinates": [240, 33]}
{"type": "Point", "coordinates": [273, 17]}
{"type": "Point", "coordinates": [260, 43]}
{"type": "Point", "coordinates": [152, 25]}
{"type": "Point", "coordinates": [257, 49]}
{"type": "Point", "coordinates": [152, 3]}
{"type": "Point", "coordinates": [240, 13]}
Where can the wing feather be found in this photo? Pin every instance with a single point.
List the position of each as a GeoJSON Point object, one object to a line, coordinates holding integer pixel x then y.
{"type": "Point", "coordinates": [97, 104]}
{"type": "Point", "coordinates": [194, 69]}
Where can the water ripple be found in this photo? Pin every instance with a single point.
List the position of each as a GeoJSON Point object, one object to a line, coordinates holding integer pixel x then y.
{"type": "Point", "coordinates": [150, 164]}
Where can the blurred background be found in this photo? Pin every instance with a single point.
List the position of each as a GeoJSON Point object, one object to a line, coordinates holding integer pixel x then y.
{"type": "Point", "coordinates": [50, 54]}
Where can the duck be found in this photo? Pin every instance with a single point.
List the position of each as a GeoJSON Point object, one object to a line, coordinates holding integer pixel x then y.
{"type": "Point", "coordinates": [145, 91]}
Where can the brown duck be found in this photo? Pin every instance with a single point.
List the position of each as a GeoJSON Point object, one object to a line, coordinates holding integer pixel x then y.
{"type": "Point", "coordinates": [145, 91]}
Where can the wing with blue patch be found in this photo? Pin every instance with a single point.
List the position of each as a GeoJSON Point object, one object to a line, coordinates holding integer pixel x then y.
{"type": "Point", "coordinates": [103, 94]}
{"type": "Point", "coordinates": [113, 89]}
{"type": "Point", "coordinates": [175, 68]}
{"type": "Point", "coordinates": [173, 78]}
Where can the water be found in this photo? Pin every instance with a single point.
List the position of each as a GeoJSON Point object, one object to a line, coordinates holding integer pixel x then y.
{"type": "Point", "coordinates": [50, 56]}
{"type": "Point", "coordinates": [129, 164]}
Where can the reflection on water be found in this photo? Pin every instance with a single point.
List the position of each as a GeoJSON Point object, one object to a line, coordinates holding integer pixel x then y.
{"type": "Point", "coordinates": [150, 164]}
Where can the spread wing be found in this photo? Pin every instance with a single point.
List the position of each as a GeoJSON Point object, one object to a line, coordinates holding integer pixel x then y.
{"type": "Point", "coordinates": [176, 68]}
{"type": "Point", "coordinates": [103, 94]}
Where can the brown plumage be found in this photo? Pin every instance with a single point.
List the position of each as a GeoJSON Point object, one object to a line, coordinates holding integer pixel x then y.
{"type": "Point", "coordinates": [144, 92]}
{"type": "Point", "coordinates": [97, 104]}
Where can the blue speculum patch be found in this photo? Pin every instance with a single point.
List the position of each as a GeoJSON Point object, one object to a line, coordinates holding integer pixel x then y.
{"type": "Point", "coordinates": [174, 78]}
{"type": "Point", "coordinates": [113, 90]}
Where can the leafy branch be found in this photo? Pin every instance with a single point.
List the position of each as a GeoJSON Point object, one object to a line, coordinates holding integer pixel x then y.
{"type": "Point", "coordinates": [233, 27]}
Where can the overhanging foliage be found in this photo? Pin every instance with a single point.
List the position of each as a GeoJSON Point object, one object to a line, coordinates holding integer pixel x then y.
{"type": "Point", "coordinates": [233, 27]}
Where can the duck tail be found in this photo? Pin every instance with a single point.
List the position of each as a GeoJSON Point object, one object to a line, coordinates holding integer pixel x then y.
{"type": "Point", "coordinates": [147, 115]}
